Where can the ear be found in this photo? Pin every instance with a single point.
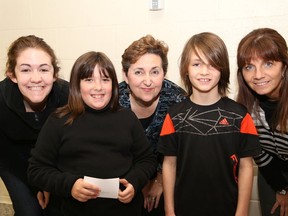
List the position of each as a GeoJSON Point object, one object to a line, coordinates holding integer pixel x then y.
{"type": "Point", "coordinates": [125, 77]}
{"type": "Point", "coordinates": [11, 76]}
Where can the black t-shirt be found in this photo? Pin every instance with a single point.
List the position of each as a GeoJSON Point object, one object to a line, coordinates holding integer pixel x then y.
{"type": "Point", "coordinates": [209, 142]}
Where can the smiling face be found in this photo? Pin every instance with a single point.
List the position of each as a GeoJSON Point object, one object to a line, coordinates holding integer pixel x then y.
{"type": "Point", "coordinates": [34, 75]}
{"type": "Point", "coordinates": [145, 78]}
{"type": "Point", "coordinates": [203, 77]}
{"type": "Point", "coordinates": [96, 91]}
{"type": "Point", "coordinates": [264, 77]}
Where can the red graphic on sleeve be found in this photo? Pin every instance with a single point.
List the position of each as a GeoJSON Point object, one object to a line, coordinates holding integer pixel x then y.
{"type": "Point", "coordinates": [235, 165]}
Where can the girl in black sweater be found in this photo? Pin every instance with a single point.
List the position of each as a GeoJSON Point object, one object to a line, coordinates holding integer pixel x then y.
{"type": "Point", "coordinates": [93, 136]}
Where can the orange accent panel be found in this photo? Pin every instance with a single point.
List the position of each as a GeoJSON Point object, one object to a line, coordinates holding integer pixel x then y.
{"type": "Point", "coordinates": [168, 127]}
{"type": "Point", "coordinates": [247, 125]}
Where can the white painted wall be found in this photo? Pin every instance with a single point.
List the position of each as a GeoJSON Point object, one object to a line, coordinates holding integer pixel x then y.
{"type": "Point", "coordinates": [73, 27]}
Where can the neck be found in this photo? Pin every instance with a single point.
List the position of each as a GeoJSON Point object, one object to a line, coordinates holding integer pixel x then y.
{"type": "Point", "coordinates": [143, 109]}
{"type": "Point", "coordinates": [204, 98]}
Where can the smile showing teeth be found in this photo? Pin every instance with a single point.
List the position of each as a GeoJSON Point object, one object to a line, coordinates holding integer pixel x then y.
{"type": "Point", "coordinates": [35, 88]}
{"type": "Point", "coordinates": [261, 83]}
{"type": "Point", "coordinates": [204, 80]}
{"type": "Point", "coordinates": [97, 96]}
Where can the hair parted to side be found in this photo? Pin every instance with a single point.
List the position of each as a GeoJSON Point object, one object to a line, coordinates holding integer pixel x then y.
{"type": "Point", "coordinates": [266, 44]}
{"type": "Point", "coordinates": [23, 43]}
{"type": "Point", "coordinates": [146, 44]}
{"type": "Point", "coordinates": [214, 49]}
{"type": "Point", "coordinates": [83, 68]}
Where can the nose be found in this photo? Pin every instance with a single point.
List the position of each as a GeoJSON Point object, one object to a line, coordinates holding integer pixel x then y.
{"type": "Point", "coordinates": [98, 85]}
{"type": "Point", "coordinates": [258, 74]}
{"type": "Point", "coordinates": [205, 70]}
{"type": "Point", "coordinates": [36, 76]}
{"type": "Point", "coordinates": [147, 80]}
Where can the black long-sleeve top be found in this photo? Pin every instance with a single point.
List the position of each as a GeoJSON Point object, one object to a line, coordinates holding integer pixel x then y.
{"type": "Point", "coordinates": [19, 129]}
{"type": "Point", "coordinates": [102, 144]}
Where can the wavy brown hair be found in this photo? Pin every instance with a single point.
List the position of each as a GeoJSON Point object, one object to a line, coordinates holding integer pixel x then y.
{"type": "Point", "coordinates": [214, 49]}
{"type": "Point", "coordinates": [84, 68]}
{"type": "Point", "coordinates": [146, 44]}
{"type": "Point", "coordinates": [269, 45]}
{"type": "Point", "coordinates": [23, 43]}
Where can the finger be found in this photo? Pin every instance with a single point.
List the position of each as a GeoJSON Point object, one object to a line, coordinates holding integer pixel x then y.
{"type": "Point", "coordinates": [151, 203]}
{"type": "Point", "coordinates": [146, 202]}
{"type": "Point", "coordinates": [83, 198]}
{"type": "Point", "coordinates": [124, 182]}
{"type": "Point", "coordinates": [282, 211]}
{"type": "Point", "coordinates": [46, 198]}
{"type": "Point", "coordinates": [40, 199]}
{"type": "Point", "coordinates": [122, 194]}
{"type": "Point", "coordinates": [126, 199]}
{"type": "Point", "coordinates": [91, 193]}
{"type": "Point", "coordinates": [157, 201]}
{"type": "Point", "coordinates": [84, 195]}
{"type": "Point", "coordinates": [149, 207]}
{"type": "Point", "coordinates": [275, 206]}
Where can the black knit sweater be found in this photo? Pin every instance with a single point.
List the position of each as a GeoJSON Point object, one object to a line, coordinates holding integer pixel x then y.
{"type": "Point", "coordinates": [99, 144]}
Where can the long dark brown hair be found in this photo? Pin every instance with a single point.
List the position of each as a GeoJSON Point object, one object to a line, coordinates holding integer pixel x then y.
{"type": "Point", "coordinates": [84, 68]}
{"type": "Point", "coordinates": [269, 45]}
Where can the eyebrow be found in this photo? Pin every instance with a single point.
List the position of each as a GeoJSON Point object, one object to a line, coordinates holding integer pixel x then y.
{"type": "Point", "coordinates": [31, 66]}
{"type": "Point", "coordinates": [156, 67]}
{"type": "Point", "coordinates": [197, 59]}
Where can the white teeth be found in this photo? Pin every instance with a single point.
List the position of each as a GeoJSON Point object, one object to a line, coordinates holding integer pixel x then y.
{"type": "Point", "coordinates": [261, 84]}
{"type": "Point", "coordinates": [35, 88]}
{"type": "Point", "coordinates": [97, 96]}
{"type": "Point", "coordinates": [204, 80]}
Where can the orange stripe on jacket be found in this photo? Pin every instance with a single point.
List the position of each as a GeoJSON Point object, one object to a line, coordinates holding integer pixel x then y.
{"type": "Point", "coordinates": [168, 127]}
{"type": "Point", "coordinates": [247, 125]}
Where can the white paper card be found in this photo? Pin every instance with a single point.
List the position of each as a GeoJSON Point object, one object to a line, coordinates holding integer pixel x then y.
{"type": "Point", "coordinates": [109, 187]}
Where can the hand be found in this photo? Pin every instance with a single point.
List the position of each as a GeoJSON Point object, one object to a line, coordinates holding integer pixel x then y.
{"type": "Point", "coordinates": [43, 198]}
{"type": "Point", "coordinates": [152, 193]}
{"type": "Point", "coordinates": [83, 191]}
{"type": "Point", "coordinates": [126, 195]}
{"type": "Point", "coordinates": [282, 202]}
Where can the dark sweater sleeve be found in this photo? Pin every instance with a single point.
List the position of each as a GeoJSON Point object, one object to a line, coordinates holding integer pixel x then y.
{"type": "Point", "coordinates": [42, 170]}
{"type": "Point", "coordinates": [144, 161]}
{"type": "Point", "coordinates": [271, 171]}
